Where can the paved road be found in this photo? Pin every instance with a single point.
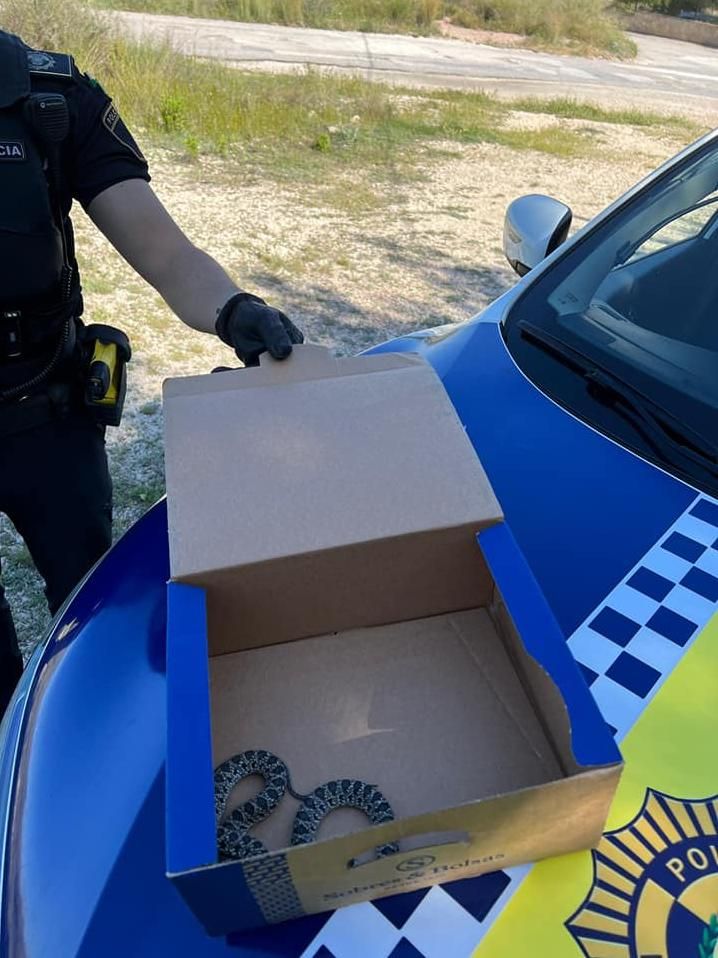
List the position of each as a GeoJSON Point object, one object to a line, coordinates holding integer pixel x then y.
{"type": "Point", "coordinates": [665, 70]}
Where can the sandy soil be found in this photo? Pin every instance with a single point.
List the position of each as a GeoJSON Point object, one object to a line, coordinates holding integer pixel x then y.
{"type": "Point", "coordinates": [470, 35]}
{"type": "Point", "coordinates": [350, 273]}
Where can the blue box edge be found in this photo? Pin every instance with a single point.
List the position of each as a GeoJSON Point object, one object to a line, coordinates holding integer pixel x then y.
{"type": "Point", "coordinates": [592, 743]}
{"type": "Point", "coordinates": [191, 832]}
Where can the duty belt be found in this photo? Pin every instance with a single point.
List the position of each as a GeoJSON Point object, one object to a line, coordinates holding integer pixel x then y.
{"type": "Point", "coordinates": [29, 412]}
{"type": "Point", "coordinates": [23, 335]}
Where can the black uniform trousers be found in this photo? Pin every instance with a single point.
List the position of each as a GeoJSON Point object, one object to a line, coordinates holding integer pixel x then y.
{"type": "Point", "coordinates": [55, 488]}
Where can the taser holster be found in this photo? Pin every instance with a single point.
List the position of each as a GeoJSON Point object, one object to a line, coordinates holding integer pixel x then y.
{"type": "Point", "coordinates": [107, 352]}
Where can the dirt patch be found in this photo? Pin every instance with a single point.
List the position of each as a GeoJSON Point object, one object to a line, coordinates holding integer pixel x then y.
{"type": "Point", "coordinates": [494, 38]}
{"type": "Point", "coordinates": [411, 255]}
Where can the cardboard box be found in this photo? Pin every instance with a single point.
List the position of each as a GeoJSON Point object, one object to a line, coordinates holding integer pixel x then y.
{"type": "Point", "coordinates": [330, 604]}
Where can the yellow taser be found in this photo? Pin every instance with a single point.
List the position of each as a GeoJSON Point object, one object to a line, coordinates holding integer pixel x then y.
{"type": "Point", "coordinates": [109, 352]}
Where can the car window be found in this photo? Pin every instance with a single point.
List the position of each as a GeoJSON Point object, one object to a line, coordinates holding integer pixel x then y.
{"type": "Point", "coordinates": [639, 296]}
{"type": "Point", "coordinates": [687, 225]}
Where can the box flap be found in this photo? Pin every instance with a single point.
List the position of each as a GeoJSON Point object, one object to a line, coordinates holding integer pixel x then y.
{"type": "Point", "coordinates": [591, 740]}
{"type": "Point", "coordinates": [307, 362]}
{"type": "Point", "coordinates": [314, 453]}
{"type": "Point", "coordinates": [190, 835]}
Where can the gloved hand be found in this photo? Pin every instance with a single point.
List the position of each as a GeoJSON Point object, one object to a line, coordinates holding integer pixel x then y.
{"type": "Point", "coordinates": [246, 323]}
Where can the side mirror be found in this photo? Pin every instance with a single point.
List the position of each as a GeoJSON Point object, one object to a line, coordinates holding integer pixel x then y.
{"type": "Point", "coordinates": [534, 226]}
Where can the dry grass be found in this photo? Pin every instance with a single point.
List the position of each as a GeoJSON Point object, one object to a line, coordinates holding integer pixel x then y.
{"type": "Point", "coordinates": [400, 16]}
{"type": "Point", "coordinates": [293, 125]}
{"type": "Point", "coordinates": [580, 24]}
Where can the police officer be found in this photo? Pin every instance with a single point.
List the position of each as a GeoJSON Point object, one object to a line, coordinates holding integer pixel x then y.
{"type": "Point", "coordinates": [61, 139]}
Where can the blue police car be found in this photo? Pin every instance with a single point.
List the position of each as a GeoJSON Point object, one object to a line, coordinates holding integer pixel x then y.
{"type": "Point", "coordinates": [590, 392]}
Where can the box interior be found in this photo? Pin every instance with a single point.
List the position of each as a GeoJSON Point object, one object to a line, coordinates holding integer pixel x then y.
{"type": "Point", "coordinates": [435, 710]}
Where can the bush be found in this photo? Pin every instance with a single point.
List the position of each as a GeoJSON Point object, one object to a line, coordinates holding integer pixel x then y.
{"type": "Point", "coordinates": [193, 105]}
{"type": "Point", "coordinates": [581, 21]}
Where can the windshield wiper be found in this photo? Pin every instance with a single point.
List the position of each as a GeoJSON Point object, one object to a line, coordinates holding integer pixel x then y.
{"type": "Point", "coordinates": [660, 428]}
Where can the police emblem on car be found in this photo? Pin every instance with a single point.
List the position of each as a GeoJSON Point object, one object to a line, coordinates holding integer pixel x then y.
{"type": "Point", "coordinates": [655, 885]}
{"type": "Point", "coordinates": [12, 150]}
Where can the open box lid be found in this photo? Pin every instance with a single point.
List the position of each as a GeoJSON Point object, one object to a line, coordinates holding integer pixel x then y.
{"type": "Point", "coordinates": [313, 453]}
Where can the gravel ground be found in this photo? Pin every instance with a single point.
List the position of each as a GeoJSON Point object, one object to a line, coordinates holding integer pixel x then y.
{"type": "Point", "coordinates": [352, 263]}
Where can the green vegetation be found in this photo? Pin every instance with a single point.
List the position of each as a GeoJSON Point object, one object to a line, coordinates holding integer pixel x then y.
{"type": "Point", "coordinates": [703, 8]}
{"type": "Point", "coordinates": [298, 126]}
{"type": "Point", "coordinates": [577, 110]}
{"type": "Point", "coordinates": [291, 126]}
{"type": "Point", "coordinates": [584, 25]}
{"type": "Point", "coordinates": [404, 16]}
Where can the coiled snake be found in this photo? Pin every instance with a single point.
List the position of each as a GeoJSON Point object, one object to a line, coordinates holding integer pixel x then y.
{"type": "Point", "coordinates": [233, 836]}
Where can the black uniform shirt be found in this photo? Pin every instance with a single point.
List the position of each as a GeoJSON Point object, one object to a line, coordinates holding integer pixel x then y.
{"type": "Point", "coordinates": [98, 153]}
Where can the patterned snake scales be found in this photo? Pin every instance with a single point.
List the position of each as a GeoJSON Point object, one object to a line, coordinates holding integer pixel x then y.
{"type": "Point", "coordinates": [233, 835]}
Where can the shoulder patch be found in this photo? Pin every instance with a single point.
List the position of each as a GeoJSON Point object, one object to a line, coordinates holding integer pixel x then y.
{"type": "Point", "coordinates": [112, 121]}
{"type": "Point", "coordinates": [42, 63]}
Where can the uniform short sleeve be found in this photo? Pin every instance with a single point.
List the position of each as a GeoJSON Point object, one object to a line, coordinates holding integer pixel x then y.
{"type": "Point", "coordinates": [103, 152]}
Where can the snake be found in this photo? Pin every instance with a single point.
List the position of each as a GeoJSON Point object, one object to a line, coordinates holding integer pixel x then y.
{"type": "Point", "coordinates": [233, 838]}
{"type": "Point", "coordinates": [342, 793]}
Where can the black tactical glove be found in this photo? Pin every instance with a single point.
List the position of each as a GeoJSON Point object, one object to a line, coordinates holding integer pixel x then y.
{"type": "Point", "coordinates": [246, 323]}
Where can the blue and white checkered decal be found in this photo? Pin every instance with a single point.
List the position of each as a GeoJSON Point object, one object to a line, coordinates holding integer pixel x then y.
{"type": "Point", "coordinates": [635, 639]}
{"type": "Point", "coordinates": [446, 921]}
{"type": "Point", "coordinates": [626, 647]}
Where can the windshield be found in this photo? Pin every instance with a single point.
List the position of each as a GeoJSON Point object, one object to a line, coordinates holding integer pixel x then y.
{"type": "Point", "coordinates": [637, 299]}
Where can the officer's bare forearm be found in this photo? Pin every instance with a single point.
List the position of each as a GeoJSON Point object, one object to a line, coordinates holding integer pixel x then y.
{"type": "Point", "coordinates": [194, 286]}
{"type": "Point", "coordinates": [192, 283]}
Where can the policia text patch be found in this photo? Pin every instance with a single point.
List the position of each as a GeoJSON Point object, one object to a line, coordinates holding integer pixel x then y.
{"type": "Point", "coordinates": [12, 150]}
{"type": "Point", "coordinates": [112, 121]}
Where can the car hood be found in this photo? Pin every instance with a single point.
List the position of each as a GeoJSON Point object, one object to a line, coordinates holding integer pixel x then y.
{"type": "Point", "coordinates": [81, 768]}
